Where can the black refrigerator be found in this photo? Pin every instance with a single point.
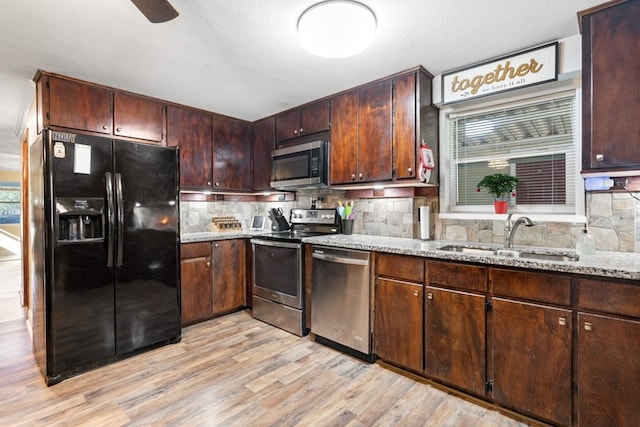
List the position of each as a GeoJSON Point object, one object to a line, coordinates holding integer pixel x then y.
{"type": "Point", "coordinates": [106, 245]}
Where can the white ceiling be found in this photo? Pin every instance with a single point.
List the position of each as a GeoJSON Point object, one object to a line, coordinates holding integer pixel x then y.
{"type": "Point", "coordinates": [241, 57]}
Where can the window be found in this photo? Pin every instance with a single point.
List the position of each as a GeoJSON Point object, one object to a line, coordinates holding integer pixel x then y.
{"type": "Point", "coordinates": [535, 140]}
{"type": "Point", "coordinates": [9, 203]}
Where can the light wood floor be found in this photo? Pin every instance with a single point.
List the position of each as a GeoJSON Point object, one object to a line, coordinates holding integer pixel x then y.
{"type": "Point", "coordinates": [231, 371]}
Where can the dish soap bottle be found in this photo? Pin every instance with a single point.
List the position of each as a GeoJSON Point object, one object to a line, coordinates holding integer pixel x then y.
{"type": "Point", "coordinates": [586, 243]}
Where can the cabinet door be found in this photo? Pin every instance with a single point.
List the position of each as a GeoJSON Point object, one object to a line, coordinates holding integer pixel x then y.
{"type": "Point", "coordinates": [287, 125]}
{"type": "Point", "coordinates": [231, 154]}
{"type": "Point", "coordinates": [374, 132]}
{"type": "Point", "coordinates": [455, 338]}
{"type": "Point", "coordinates": [195, 277]}
{"type": "Point", "coordinates": [610, 64]}
{"type": "Point", "coordinates": [314, 118]}
{"type": "Point", "coordinates": [404, 126]}
{"type": "Point", "coordinates": [191, 131]}
{"type": "Point", "coordinates": [263, 145]}
{"type": "Point", "coordinates": [608, 371]}
{"type": "Point", "coordinates": [77, 105]}
{"type": "Point", "coordinates": [398, 323]}
{"type": "Point", "coordinates": [137, 117]}
{"type": "Point", "coordinates": [344, 138]}
{"type": "Point", "coordinates": [228, 275]}
{"type": "Point", "coordinates": [531, 354]}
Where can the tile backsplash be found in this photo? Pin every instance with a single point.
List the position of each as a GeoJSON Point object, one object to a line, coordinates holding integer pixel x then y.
{"type": "Point", "coordinates": [614, 220]}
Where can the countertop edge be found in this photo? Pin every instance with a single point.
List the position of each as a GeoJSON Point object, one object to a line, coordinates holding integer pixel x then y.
{"type": "Point", "coordinates": [612, 265]}
{"type": "Point", "coordinates": [618, 265]}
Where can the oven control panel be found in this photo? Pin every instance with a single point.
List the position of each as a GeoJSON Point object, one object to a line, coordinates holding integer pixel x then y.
{"type": "Point", "coordinates": [313, 216]}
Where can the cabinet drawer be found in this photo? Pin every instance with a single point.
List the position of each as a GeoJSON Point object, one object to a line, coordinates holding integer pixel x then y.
{"type": "Point", "coordinates": [462, 276]}
{"type": "Point", "coordinates": [609, 297]}
{"type": "Point", "coordinates": [533, 286]}
{"type": "Point", "coordinates": [400, 267]}
{"type": "Point", "coordinates": [195, 250]}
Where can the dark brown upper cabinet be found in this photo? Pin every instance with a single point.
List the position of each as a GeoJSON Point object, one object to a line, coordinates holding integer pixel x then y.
{"type": "Point", "coordinates": [610, 94]}
{"type": "Point", "coordinates": [377, 130]}
{"type": "Point", "coordinates": [263, 145]}
{"type": "Point", "coordinates": [138, 117]}
{"type": "Point", "coordinates": [76, 105]}
{"type": "Point", "coordinates": [306, 120]}
{"type": "Point", "coordinates": [344, 138]}
{"type": "Point", "coordinates": [191, 130]}
{"type": "Point", "coordinates": [231, 154]}
{"type": "Point", "coordinates": [374, 132]}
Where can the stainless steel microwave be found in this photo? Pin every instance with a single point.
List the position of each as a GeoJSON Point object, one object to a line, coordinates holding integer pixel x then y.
{"type": "Point", "coordinates": [301, 166]}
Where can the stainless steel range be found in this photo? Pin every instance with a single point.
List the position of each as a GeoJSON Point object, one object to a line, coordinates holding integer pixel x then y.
{"type": "Point", "coordinates": [278, 268]}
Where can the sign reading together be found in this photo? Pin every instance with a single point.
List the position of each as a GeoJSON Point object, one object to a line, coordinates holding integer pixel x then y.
{"type": "Point", "coordinates": [527, 68]}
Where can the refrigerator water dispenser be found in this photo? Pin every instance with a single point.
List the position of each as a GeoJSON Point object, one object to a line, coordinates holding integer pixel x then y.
{"type": "Point", "coordinates": [79, 219]}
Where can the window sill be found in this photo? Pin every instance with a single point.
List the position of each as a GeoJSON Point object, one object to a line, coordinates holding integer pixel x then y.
{"type": "Point", "coordinates": [487, 216]}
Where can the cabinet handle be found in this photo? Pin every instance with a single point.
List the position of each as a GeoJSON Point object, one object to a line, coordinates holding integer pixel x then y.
{"type": "Point", "coordinates": [353, 176]}
{"type": "Point", "coordinates": [118, 129]}
{"type": "Point", "coordinates": [217, 184]}
{"type": "Point", "coordinates": [215, 245]}
{"type": "Point", "coordinates": [416, 293]}
{"type": "Point", "coordinates": [301, 130]}
{"type": "Point", "coordinates": [429, 295]}
{"type": "Point", "coordinates": [105, 127]}
{"type": "Point", "coordinates": [600, 157]}
{"type": "Point", "coordinates": [209, 183]}
{"type": "Point", "coordinates": [360, 177]}
{"type": "Point", "coordinates": [409, 171]}
{"type": "Point", "coordinates": [562, 321]}
{"type": "Point", "coordinates": [208, 263]}
{"type": "Point", "coordinates": [588, 326]}
{"type": "Point", "coordinates": [295, 131]}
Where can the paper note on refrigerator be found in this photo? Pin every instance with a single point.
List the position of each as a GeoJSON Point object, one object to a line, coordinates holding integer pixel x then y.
{"type": "Point", "coordinates": [82, 159]}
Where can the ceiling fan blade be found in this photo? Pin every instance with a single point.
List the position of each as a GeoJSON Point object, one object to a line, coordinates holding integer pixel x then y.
{"type": "Point", "coordinates": [156, 11]}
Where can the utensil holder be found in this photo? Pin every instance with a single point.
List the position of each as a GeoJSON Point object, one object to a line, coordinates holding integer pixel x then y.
{"type": "Point", "coordinates": [347, 226]}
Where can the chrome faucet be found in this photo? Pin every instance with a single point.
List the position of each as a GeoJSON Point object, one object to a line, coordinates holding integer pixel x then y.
{"type": "Point", "coordinates": [511, 227]}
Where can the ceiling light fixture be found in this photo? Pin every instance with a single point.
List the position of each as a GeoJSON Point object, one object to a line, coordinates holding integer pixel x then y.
{"type": "Point", "coordinates": [337, 28]}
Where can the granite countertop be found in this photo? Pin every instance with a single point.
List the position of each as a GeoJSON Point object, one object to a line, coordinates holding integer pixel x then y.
{"type": "Point", "coordinates": [620, 265]}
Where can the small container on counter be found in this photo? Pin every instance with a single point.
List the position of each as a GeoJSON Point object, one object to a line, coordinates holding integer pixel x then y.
{"type": "Point", "coordinates": [586, 243]}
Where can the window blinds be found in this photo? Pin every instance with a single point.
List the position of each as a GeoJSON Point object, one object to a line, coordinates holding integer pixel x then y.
{"type": "Point", "coordinates": [534, 141]}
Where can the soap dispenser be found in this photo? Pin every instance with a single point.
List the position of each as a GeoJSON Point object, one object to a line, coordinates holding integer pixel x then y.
{"type": "Point", "coordinates": [586, 243]}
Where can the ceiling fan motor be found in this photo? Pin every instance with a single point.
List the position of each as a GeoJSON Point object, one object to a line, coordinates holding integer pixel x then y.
{"type": "Point", "coordinates": [156, 11]}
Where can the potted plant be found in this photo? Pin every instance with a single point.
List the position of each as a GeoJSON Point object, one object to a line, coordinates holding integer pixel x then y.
{"type": "Point", "coordinates": [500, 185]}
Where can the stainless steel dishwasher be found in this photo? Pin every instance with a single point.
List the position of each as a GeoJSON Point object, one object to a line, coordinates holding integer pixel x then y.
{"type": "Point", "coordinates": [340, 295]}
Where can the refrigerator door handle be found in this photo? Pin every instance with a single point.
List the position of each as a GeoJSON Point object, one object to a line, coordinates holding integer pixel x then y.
{"type": "Point", "coordinates": [120, 213]}
{"type": "Point", "coordinates": [110, 218]}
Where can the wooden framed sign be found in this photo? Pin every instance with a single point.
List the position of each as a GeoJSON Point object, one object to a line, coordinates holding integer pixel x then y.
{"type": "Point", "coordinates": [527, 68]}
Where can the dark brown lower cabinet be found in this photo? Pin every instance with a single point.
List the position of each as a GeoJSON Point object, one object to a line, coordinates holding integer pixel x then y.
{"type": "Point", "coordinates": [608, 371]}
{"type": "Point", "coordinates": [228, 286]}
{"type": "Point", "coordinates": [212, 278]}
{"type": "Point", "coordinates": [195, 278]}
{"type": "Point", "coordinates": [455, 337]}
{"type": "Point", "coordinates": [398, 333]}
{"type": "Point", "coordinates": [531, 359]}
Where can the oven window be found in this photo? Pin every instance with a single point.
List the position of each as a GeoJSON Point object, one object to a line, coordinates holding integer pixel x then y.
{"type": "Point", "coordinates": [276, 269]}
{"type": "Point", "coordinates": [294, 166]}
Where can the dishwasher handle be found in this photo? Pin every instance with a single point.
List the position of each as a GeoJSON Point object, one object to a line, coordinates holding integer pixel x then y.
{"type": "Point", "coordinates": [340, 260]}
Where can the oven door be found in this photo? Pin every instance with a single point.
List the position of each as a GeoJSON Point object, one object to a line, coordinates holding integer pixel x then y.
{"type": "Point", "coordinates": [277, 271]}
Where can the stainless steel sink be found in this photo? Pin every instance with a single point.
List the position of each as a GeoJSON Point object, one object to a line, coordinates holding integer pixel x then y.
{"type": "Point", "coordinates": [550, 256]}
{"type": "Point", "coordinates": [469, 250]}
{"type": "Point", "coordinates": [512, 253]}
